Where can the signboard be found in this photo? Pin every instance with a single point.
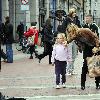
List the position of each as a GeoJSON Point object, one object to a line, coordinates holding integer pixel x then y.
{"type": "Point", "coordinates": [24, 7]}
{"type": "Point", "coordinates": [24, 2]}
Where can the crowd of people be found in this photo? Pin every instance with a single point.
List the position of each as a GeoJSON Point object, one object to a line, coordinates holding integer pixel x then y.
{"type": "Point", "coordinates": [61, 54]}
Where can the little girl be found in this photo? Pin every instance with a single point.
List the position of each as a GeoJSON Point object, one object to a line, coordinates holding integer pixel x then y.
{"type": "Point", "coordinates": [59, 58]}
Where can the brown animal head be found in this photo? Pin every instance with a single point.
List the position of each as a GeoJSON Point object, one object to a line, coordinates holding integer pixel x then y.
{"type": "Point", "coordinates": [81, 34]}
{"type": "Point", "coordinates": [71, 32]}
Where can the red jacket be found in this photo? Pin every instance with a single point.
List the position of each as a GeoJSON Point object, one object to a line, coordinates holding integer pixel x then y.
{"type": "Point", "coordinates": [31, 31]}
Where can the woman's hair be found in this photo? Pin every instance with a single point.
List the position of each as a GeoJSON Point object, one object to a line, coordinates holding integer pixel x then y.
{"type": "Point", "coordinates": [71, 11]}
{"type": "Point", "coordinates": [7, 18]}
{"type": "Point", "coordinates": [48, 21]}
{"type": "Point", "coordinates": [33, 23]}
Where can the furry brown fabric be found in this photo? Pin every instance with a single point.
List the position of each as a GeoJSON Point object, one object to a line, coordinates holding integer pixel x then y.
{"type": "Point", "coordinates": [84, 35]}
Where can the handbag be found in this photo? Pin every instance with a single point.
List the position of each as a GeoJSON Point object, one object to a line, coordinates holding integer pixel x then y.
{"type": "Point", "coordinates": [39, 41]}
{"type": "Point", "coordinates": [30, 40]}
{"type": "Point", "coordinates": [93, 66]}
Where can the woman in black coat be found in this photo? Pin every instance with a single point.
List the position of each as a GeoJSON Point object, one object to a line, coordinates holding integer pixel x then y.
{"type": "Point", "coordinates": [87, 52]}
{"type": "Point", "coordinates": [48, 41]}
{"type": "Point", "coordinates": [70, 18]}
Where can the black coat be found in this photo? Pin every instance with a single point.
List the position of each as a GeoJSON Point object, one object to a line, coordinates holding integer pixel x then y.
{"type": "Point", "coordinates": [93, 27]}
{"type": "Point", "coordinates": [68, 21]}
{"type": "Point", "coordinates": [87, 51]}
{"type": "Point", "coordinates": [0, 32]}
{"type": "Point", "coordinates": [8, 32]}
{"type": "Point", "coordinates": [48, 35]}
{"type": "Point", "coordinates": [59, 30]}
{"type": "Point", "coordinates": [20, 29]}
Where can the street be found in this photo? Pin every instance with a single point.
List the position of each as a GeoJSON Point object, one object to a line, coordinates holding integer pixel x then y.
{"type": "Point", "coordinates": [27, 78]}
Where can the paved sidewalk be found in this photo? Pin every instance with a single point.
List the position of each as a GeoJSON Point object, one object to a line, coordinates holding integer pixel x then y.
{"type": "Point", "coordinates": [36, 81]}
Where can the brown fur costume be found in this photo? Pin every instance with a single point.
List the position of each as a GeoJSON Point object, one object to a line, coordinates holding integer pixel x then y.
{"type": "Point", "coordinates": [84, 35]}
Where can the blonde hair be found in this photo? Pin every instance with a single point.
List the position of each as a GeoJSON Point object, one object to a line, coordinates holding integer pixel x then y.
{"type": "Point", "coordinates": [61, 35]}
{"type": "Point", "coordinates": [72, 30]}
{"type": "Point", "coordinates": [71, 11]}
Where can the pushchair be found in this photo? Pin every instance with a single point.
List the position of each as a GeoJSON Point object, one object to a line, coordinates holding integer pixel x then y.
{"type": "Point", "coordinates": [22, 45]}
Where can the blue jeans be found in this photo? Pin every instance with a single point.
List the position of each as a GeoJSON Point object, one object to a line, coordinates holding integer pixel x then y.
{"type": "Point", "coordinates": [9, 53]}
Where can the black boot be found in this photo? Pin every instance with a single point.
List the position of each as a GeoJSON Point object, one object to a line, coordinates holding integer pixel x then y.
{"type": "Point", "coordinates": [31, 57]}
{"type": "Point", "coordinates": [97, 86]}
{"type": "Point", "coordinates": [82, 86]}
{"type": "Point", "coordinates": [38, 56]}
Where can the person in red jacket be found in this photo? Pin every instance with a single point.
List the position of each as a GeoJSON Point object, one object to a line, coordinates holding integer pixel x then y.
{"type": "Point", "coordinates": [32, 31]}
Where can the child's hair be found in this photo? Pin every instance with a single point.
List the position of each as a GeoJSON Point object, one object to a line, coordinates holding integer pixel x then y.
{"type": "Point", "coordinates": [61, 35]}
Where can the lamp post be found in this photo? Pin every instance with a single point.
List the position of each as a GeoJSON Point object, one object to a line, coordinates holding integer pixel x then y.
{"type": "Point", "coordinates": [54, 9]}
{"type": "Point", "coordinates": [90, 7]}
{"type": "Point", "coordinates": [68, 5]}
{"type": "Point", "coordinates": [0, 28]}
{"type": "Point", "coordinates": [94, 13]}
{"type": "Point", "coordinates": [83, 8]}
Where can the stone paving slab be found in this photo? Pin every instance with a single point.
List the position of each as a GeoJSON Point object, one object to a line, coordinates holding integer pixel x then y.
{"type": "Point", "coordinates": [67, 97]}
{"type": "Point", "coordinates": [29, 79]}
{"type": "Point", "coordinates": [51, 92]}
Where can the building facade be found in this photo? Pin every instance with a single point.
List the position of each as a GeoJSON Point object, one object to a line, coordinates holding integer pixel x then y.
{"type": "Point", "coordinates": [37, 10]}
{"type": "Point", "coordinates": [92, 7]}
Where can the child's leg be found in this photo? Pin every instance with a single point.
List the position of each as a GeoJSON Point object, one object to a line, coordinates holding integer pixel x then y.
{"type": "Point", "coordinates": [63, 72]}
{"type": "Point", "coordinates": [63, 78]}
{"type": "Point", "coordinates": [57, 71]}
{"type": "Point", "coordinates": [57, 79]}
{"type": "Point", "coordinates": [31, 49]}
{"type": "Point", "coordinates": [70, 67]}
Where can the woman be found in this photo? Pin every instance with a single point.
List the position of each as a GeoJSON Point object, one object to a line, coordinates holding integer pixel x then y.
{"type": "Point", "coordinates": [48, 41]}
{"type": "Point", "coordinates": [59, 58]}
{"type": "Point", "coordinates": [71, 18]}
{"type": "Point", "coordinates": [32, 31]}
{"type": "Point", "coordinates": [87, 52]}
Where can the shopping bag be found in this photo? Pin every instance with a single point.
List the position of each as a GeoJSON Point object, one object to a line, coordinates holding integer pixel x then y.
{"type": "Point", "coordinates": [30, 40]}
{"type": "Point", "coordinates": [39, 41]}
{"type": "Point", "coordinates": [93, 66]}
{"type": "Point", "coordinates": [96, 50]}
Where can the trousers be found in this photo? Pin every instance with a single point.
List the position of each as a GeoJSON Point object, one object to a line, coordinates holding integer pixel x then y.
{"type": "Point", "coordinates": [60, 69]}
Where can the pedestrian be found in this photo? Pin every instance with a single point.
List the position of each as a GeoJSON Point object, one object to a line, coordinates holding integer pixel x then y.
{"type": "Point", "coordinates": [71, 18]}
{"type": "Point", "coordinates": [8, 33]}
{"type": "Point", "coordinates": [48, 41]}
{"type": "Point", "coordinates": [2, 33]}
{"type": "Point", "coordinates": [59, 30]}
{"type": "Point", "coordinates": [32, 34]}
{"type": "Point", "coordinates": [20, 30]}
{"type": "Point", "coordinates": [42, 33]}
{"type": "Point", "coordinates": [87, 52]}
{"type": "Point", "coordinates": [59, 58]}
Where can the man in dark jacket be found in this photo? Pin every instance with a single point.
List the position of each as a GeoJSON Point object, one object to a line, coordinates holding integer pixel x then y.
{"type": "Point", "coordinates": [87, 52]}
{"type": "Point", "coordinates": [20, 30]}
{"type": "Point", "coordinates": [8, 32]}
